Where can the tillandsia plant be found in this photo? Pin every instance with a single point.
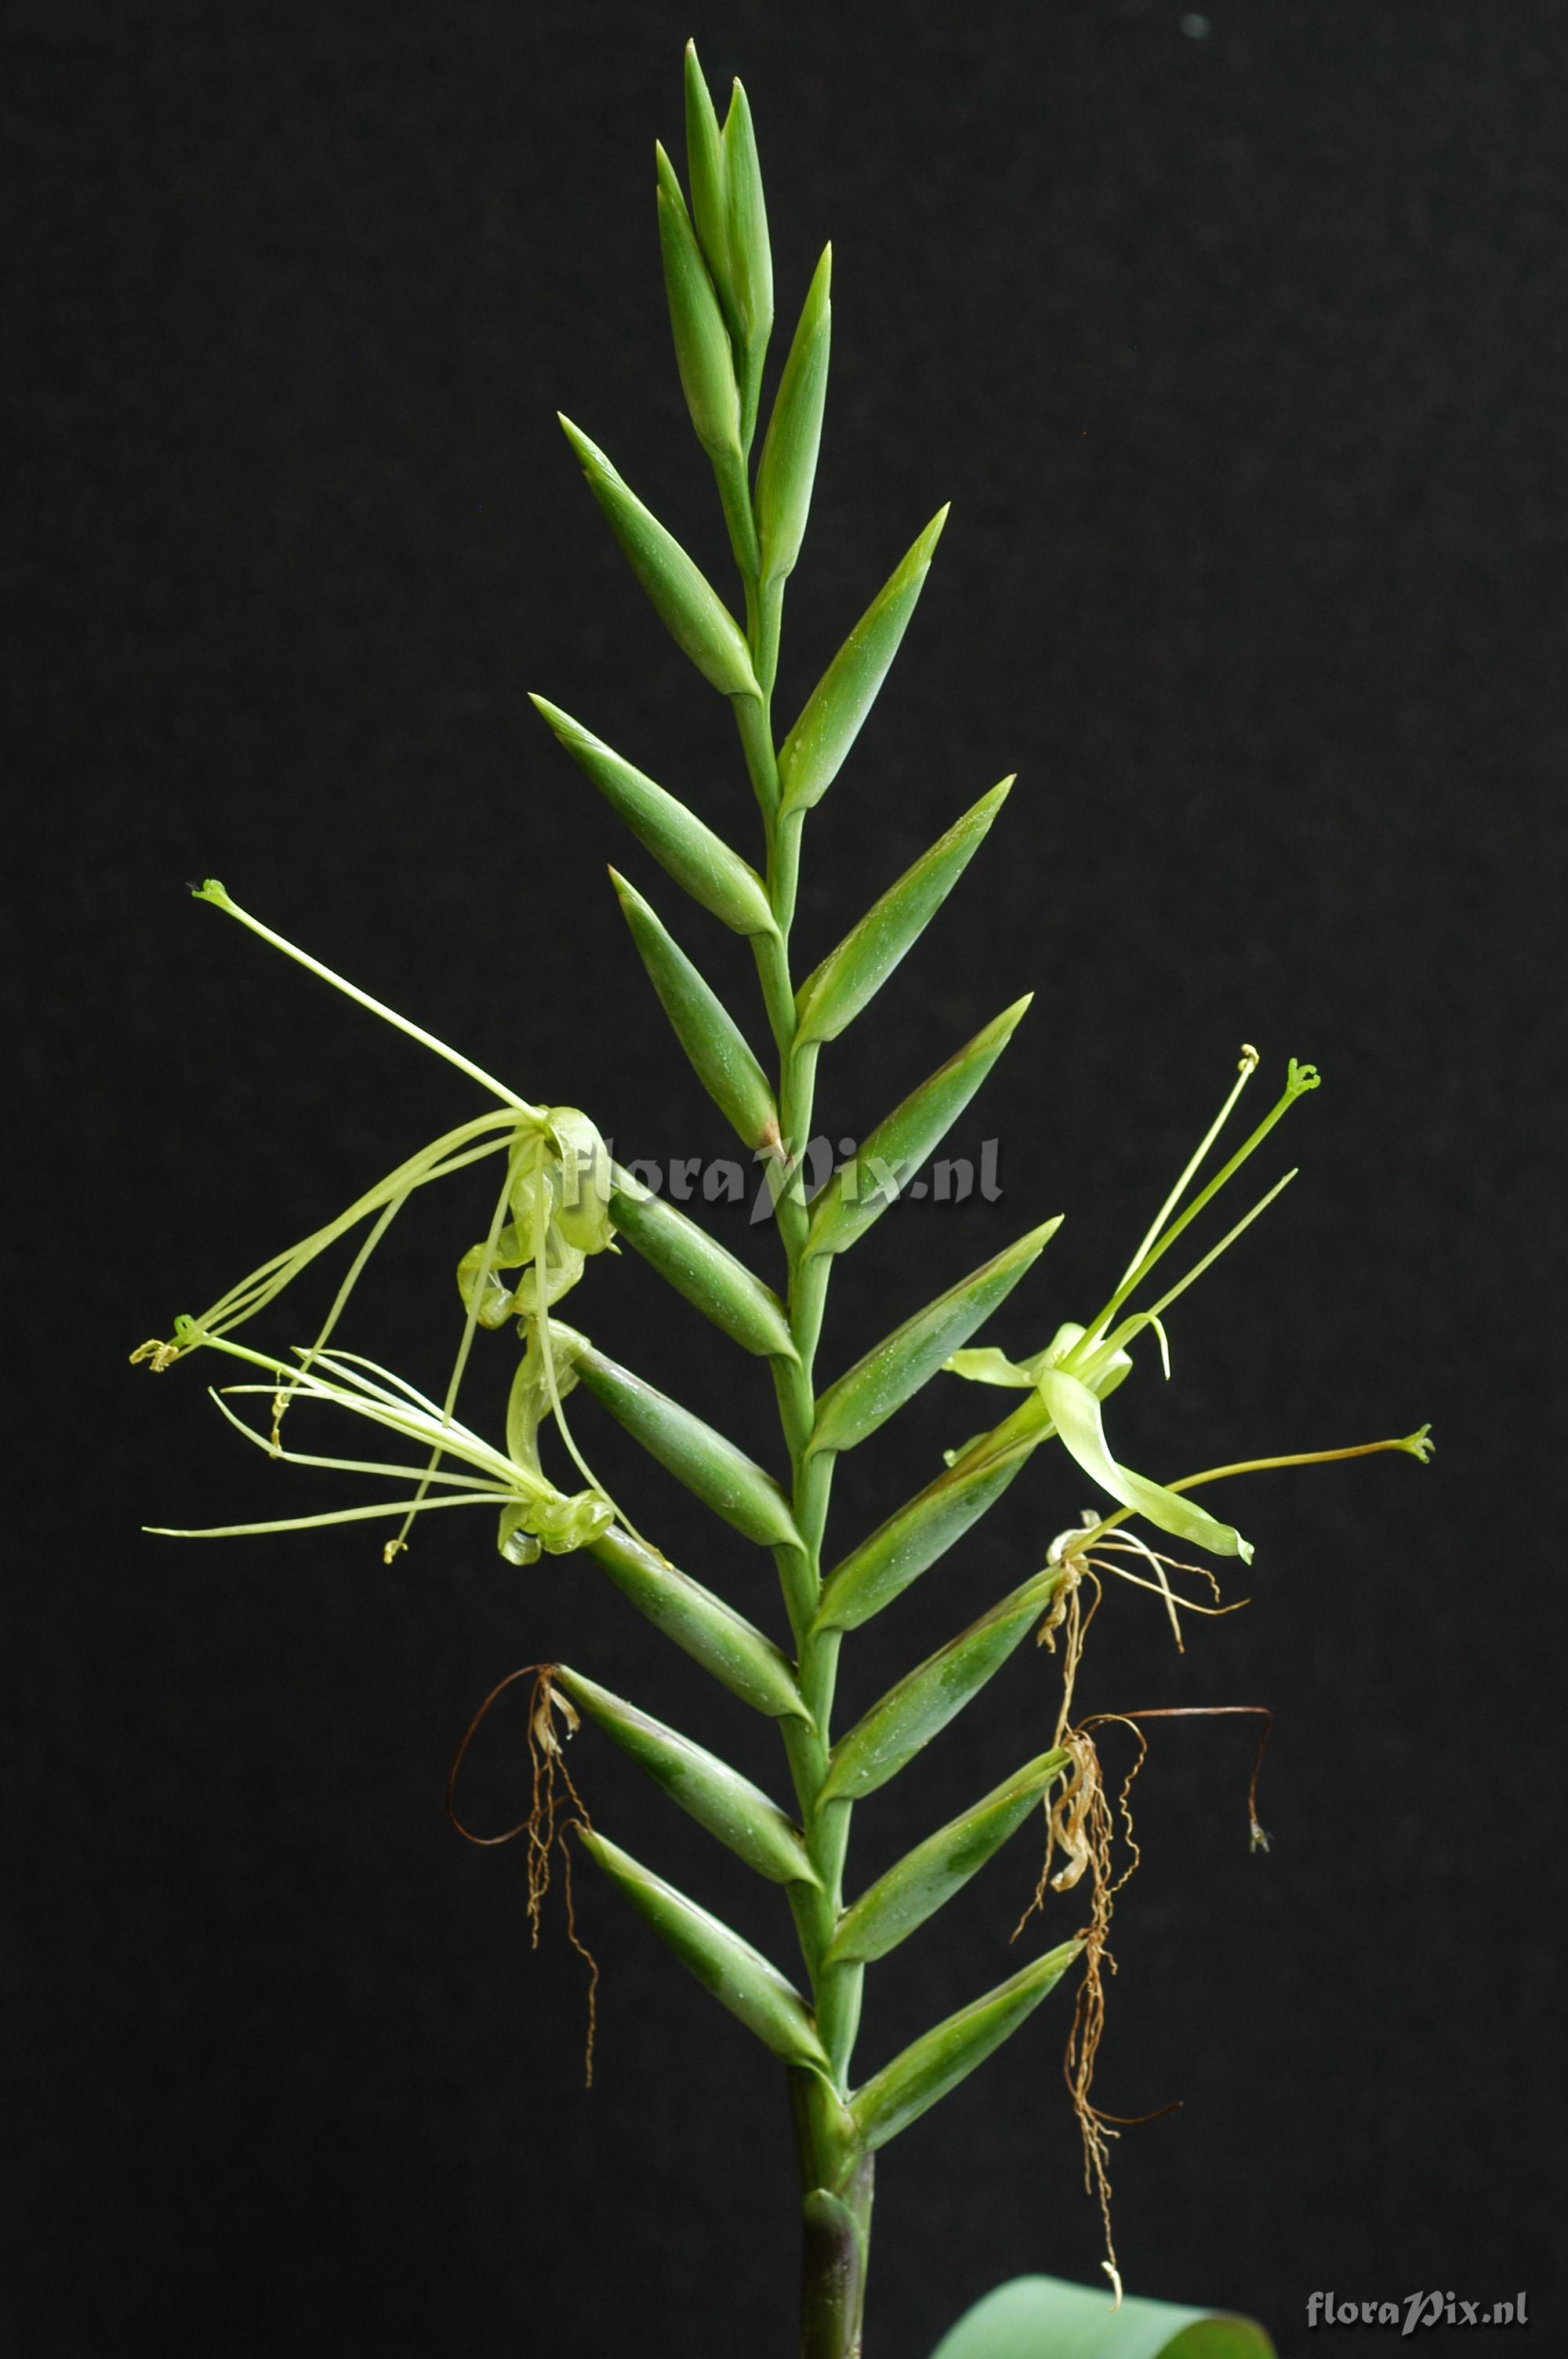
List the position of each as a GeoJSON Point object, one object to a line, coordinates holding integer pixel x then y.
{"type": "Point", "coordinates": [559, 1202]}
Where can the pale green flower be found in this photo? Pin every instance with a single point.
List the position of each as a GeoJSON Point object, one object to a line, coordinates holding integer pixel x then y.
{"type": "Point", "coordinates": [1082, 1366]}
{"type": "Point", "coordinates": [552, 1213]}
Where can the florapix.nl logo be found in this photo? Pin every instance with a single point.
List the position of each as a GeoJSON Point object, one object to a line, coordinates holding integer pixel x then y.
{"type": "Point", "coordinates": [1414, 2310]}
{"type": "Point", "coordinates": [863, 1177]}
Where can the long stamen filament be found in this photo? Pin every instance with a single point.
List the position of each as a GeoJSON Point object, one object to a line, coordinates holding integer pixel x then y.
{"type": "Point", "coordinates": [335, 1466]}
{"type": "Point", "coordinates": [1249, 1062]}
{"type": "Point", "coordinates": [212, 890]}
{"type": "Point", "coordinates": [460, 1365]}
{"type": "Point", "coordinates": [433, 1162]}
{"type": "Point", "coordinates": [1123, 1334]}
{"type": "Point", "coordinates": [1302, 1079]}
{"type": "Point", "coordinates": [1415, 1445]}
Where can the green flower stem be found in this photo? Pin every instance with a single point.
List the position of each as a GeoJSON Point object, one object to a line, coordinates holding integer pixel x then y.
{"type": "Point", "coordinates": [213, 891]}
{"type": "Point", "coordinates": [784, 867]}
{"type": "Point", "coordinates": [765, 646]}
{"type": "Point", "coordinates": [730, 473]}
{"type": "Point", "coordinates": [773, 973]}
{"type": "Point", "coordinates": [753, 719]}
{"type": "Point", "coordinates": [835, 2168]}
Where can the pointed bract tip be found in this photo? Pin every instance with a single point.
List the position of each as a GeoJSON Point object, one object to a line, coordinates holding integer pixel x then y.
{"type": "Point", "coordinates": [697, 88]}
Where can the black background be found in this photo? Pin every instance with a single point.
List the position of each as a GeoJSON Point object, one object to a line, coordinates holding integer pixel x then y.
{"type": "Point", "coordinates": [1238, 344]}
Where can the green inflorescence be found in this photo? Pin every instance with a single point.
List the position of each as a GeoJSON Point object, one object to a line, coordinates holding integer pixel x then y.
{"type": "Point", "coordinates": [559, 1203]}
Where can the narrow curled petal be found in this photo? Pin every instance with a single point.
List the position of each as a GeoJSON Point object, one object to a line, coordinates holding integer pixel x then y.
{"type": "Point", "coordinates": [984, 1365]}
{"type": "Point", "coordinates": [1075, 1414]}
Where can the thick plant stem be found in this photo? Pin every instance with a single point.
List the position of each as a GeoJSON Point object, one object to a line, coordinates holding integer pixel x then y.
{"type": "Point", "coordinates": [833, 2266]}
{"type": "Point", "coordinates": [836, 2182]}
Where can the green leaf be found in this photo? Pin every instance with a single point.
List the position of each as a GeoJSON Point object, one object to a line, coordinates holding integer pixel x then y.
{"type": "Point", "coordinates": [1042, 2318]}
{"type": "Point", "coordinates": [705, 171]}
{"type": "Point", "coordinates": [723, 1060]}
{"type": "Point", "coordinates": [861, 1189]}
{"type": "Point", "coordinates": [928, 1875]}
{"type": "Point", "coordinates": [703, 354]}
{"type": "Point", "coordinates": [788, 467]}
{"type": "Point", "coordinates": [684, 601]}
{"type": "Point", "coordinates": [701, 1269]}
{"type": "Point", "coordinates": [829, 723]}
{"type": "Point", "coordinates": [738, 1977]}
{"type": "Point", "coordinates": [867, 1395]}
{"type": "Point", "coordinates": [834, 995]}
{"type": "Point", "coordinates": [941, 2058]}
{"type": "Point", "coordinates": [749, 252]}
{"type": "Point", "coordinates": [717, 1797]}
{"type": "Point", "coordinates": [1075, 1414]}
{"type": "Point", "coordinates": [721, 1476]}
{"type": "Point", "coordinates": [935, 1693]}
{"type": "Point", "coordinates": [700, 862]}
{"type": "Point", "coordinates": [736, 1654]}
{"type": "Point", "coordinates": [912, 1540]}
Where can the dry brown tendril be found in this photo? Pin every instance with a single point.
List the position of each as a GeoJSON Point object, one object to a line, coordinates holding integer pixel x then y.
{"type": "Point", "coordinates": [1080, 1825]}
{"type": "Point", "coordinates": [548, 1818]}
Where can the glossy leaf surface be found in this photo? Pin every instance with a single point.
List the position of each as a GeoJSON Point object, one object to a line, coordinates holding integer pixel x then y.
{"type": "Point", "coordinates": [928, 1875]}
{"type": "Point", "coordinates": [867, 1395]}
{"type": "Point", "coordinates": [862, 1188]}
{"type": "Point", "coordinates": [705, 171]}
{"type": "Point", "coordinates": [703, 354]}
{"type": "Point", "coordinates": [701, 863]}
{"type": "Point", "coordinates": [912, 1540]}
{"type": "Point", "coordinates": [830, 721]}
{"type": "Point", "coordinates": [936, 1692]}
{"type": "Point", "coordinates": [1043, 2318]}
{"type": "Point", "coordinates": [736, 1975]}
{"type": "Point", "coordinates": [788, 468]}
{"type": "Point", "coordinates": [747, 252]}
{"type": "Point", "coordinates": [720, 1475]}
{"type": "Point", "coordinates": [737, 1654]}
{"type": "Point", "coordinates": [721, 1056]}
{"type": "Point", "coordinates": [834, 995]}
{"type": "Point", "coordinates": [739, 1813]}
{"type": "Point", "coordinates": [680, 593]}
{"type": "Point", "coordinates": [941, 2058]}
{"type": "Point", "coordinates": [700, 1268]}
